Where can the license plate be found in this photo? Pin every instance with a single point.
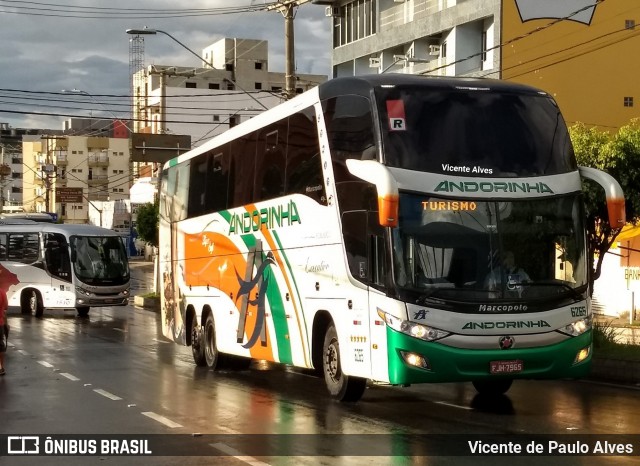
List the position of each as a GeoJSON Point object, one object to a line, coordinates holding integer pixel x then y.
{"type": "Point", "coordinates": [505, 367]}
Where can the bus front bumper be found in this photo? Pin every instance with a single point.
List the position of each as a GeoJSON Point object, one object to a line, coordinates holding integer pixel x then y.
{"type": "Point", "coordinates": [441, 363]}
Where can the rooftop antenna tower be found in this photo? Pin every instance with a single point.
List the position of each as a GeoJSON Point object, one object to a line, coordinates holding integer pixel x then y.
{"type": "Point", "coordinates": [137, 77]}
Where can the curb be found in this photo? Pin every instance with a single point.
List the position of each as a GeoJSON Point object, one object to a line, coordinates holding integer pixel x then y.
{"type": "Point", "coordinates": [147, 303]}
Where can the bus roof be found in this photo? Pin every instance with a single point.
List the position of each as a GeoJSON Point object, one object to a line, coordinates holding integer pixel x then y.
{"type": "Point", "coordinates": [67, 229]}
{"type": "Point", "coordinates": [359, 85]}
{"type": "Point", "coordinates": [364, 84]}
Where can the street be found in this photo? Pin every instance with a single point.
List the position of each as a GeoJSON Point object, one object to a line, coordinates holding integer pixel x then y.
{"type": "Point", "coordinates": [112, 373]}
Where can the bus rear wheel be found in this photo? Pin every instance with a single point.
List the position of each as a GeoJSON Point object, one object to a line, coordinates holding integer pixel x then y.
{"type": "Point", "coordinates": [341, 386]}
{"type": "Point", "coordinates": [83, 311]}
{"type": "Point", "coordinates": [492, 387]}
{"type": "Point", "coordinates": [197, 344]}
{"type": "Point", "coordinates": [30, 303]}
{"type": "Point", "coordinates": [212, 356]}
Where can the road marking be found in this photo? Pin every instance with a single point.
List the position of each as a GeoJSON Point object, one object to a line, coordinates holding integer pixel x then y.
{"type": "Point", "coordinates": [237, 454]}
{"type": "Point", "coordinates": [228, 430]}
{"type": "Point", "coordinates": [161, 341]}
{"type": "Point", "coordinates": [45, 364]}
{"type": "Point", "coordinates": [73, 378]}
{"type": "Point", "coordinates": [120, 330]}
{"type": "Point", "coordinates": [162, 420]}
{"type": "Point", "coordinates": [106, 394]}
{"type": "Point", "coordinates": [453, 406]}
{"type": "Point", "coordinates": [23, 352]}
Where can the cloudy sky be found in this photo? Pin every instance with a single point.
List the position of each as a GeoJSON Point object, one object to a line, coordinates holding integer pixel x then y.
{"type": "Point", "coordinates": [51, 45]}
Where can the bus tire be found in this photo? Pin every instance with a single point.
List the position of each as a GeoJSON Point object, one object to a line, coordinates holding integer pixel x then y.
{"type": "Point", "coordinates": [212, 357]}
{"type": "Point", "coordinates": [492, 387]}
{"type": "Point", "coordinates": [30, 303]}
{"type": "Point", "coordinates": [197, 346]}
{"type": "Point", "coordinates": [341, 387]}
{"type": "Point", "coordinates": [83, 311]}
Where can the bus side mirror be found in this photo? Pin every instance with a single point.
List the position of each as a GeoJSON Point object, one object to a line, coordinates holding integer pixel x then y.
{"type": "Point", "coordinates": [386, 186]}
{"type": "Point", "coordinates": [613, 192]}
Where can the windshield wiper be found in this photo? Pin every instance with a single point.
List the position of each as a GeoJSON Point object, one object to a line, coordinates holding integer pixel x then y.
{"type": "Point", "coordinates": [577, 293]}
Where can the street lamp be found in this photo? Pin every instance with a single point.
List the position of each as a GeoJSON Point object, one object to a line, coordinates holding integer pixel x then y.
{"type": "Point", "coordinates": [81, 92]}
{"type": "Point", "coordinates": [149, 31]}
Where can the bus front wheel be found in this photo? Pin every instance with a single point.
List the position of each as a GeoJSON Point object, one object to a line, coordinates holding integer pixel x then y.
{"type": "Point", "coordinates": [83, 311]}
{"type": "Point", "coordinates": [197, 344]}
{"type": "Point", "coordinates": [492, 387]}
{"type": "Point", "coordinates": [30, 303]}
{"type": "Point", "coordinates": [341, 386]}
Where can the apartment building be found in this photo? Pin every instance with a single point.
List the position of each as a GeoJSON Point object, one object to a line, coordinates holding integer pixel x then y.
{"type": "Point", "coordinates": [231, 86]}
{"type": "Point", "coordinates": [580, 51]}
{"type": "Point", "coordinates": [71, 175]}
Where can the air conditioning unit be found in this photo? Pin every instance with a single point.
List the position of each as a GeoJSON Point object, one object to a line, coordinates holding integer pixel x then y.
{"type": "Point", "coordinates": [434, 50]}
{"type": "Point", "coordinates": [332, 11]}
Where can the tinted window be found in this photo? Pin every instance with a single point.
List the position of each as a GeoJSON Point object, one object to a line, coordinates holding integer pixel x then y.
{"type": "Point", "coordinates": [218, 186]}
{"type": "Point", "coordinates": [304, 167]}
{"type": "Point", "coordinates": [271, 161]}
{"type": "Point", "coordinates": [473, 133]}
{"type": "Point", "coordinates": [243, 154]}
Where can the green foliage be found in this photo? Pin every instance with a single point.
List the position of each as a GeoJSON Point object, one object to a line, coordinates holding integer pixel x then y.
{"type": "Point", "coordinates": [147, 223]}
{"type": "Point", "coordinates": [604, 334]}
{"type": "Point", "coordinates": [617, 154]}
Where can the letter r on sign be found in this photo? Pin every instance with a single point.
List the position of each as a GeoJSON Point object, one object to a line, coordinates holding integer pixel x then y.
{"type": "Point", "coordinates": [397, 124]}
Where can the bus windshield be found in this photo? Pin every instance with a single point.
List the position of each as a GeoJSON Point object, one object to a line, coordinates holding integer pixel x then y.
{"type": "Point", "coordinates": [99, 259]}
{"type": "Point", "coordinates": [473, 132]}
{"type": "Point", "coordinates": [467, 250]}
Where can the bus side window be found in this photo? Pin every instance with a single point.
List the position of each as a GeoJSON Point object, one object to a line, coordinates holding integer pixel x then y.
{"type": "Point", "coordinates": [271, 161]}
{"type": "Point", "coordinates": [197, 186]}
{"type": "Point", "coordinates": [378, 268]}
{"type": "Point", "coordinates": [304, 167]}
{"type": "Point", "coordinates": [243, 155]}
{"type": "Point", "coordinates": [354, 230]}
{"type": "Point", "coordinates": [219, 186]}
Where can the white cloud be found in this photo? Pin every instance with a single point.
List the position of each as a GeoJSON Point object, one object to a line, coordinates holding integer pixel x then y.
{"type": "Point", "coordinates": [50, 53]}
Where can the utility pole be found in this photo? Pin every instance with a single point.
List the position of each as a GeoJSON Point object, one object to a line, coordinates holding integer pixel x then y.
{"type": "Point", "coordinates": [287, 8]}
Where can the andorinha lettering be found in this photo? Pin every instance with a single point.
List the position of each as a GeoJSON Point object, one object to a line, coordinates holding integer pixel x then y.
{"type": "Point", "coordinates": [448, 205]}
{"type": "Point", "coordinates": [492, 187]}
{"type": "Point", "coordinates": [465, 169]}
{"type": "Point", "coordinates": [270, 217]}
{"type": "Point", "coordinates": [506, 325]}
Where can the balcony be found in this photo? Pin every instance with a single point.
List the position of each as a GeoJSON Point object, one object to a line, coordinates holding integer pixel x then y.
{"type": "Point", "coordinates": [97, 180]}
{"type": "Point", "coordinates": [98, 160]}
{"type": "Point", "coordinates": [61, 159]}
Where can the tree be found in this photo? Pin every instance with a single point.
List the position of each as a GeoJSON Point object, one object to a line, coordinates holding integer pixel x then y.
{"type": "Point", "coordinates": [618, 155]}
{"type": "Point", "coordinates": [147, 223]}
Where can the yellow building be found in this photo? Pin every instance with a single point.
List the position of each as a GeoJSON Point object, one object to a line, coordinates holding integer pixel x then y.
{"type": "Point", "coordinates": [586, 53]}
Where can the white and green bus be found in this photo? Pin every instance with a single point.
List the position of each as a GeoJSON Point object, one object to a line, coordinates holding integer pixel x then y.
{"type": "Point", "coordinates": [358, 228]}
{"type": "Point", "coordinates": [47, 266]}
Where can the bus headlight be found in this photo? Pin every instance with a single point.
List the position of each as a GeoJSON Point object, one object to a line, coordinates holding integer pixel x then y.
{"type": "Point", "coordinates": [82, 291]}
{"type": "Point", "coordinates": [422, 332]}
{"type": "Point", "coordinates": [578, 327]}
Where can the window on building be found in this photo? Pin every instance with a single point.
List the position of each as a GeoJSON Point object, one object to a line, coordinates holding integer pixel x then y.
{"type": "Point", "coordinates": [115, 172]}
{"type": "Point", "coordinates": [16, 175]}
{"type": "Point", "coordinates": [228, 66]}
{"type": "Point", "coordinates": [354, 21]}
{"type": "Point", "coordinates": [214, 85]}
{"type": "Point", "coordinates": [231, 87]}
{"type": "Point", "coordinates": [216, 118]}
{"type": "Point", "coordinates": [484, 46]}
{"type": "Point", "coordinates": [258, 65]}
{"type": "Point", "coordinates": [443, 50]}
{"type": "Point", "coordinates": [190, 85]}
{"type": "Point", "coordinates": [628, 101]}
{"type": "Point", "coordinates": [16, 189]}
{"type": "Point", "coordinates": [233, 121]}
{"type": "Point", "coordinates": [276, 88]}
{"type": "Point", "coordinates": [258, 86]}
{"type": "Point", "coordinates": [629, 23]}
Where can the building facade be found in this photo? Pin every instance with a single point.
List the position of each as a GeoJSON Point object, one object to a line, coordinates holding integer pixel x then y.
{"type": "Point", "coordinates": [233, 85]}
{"type": "Point", "coordinates": [582, 52]}
{"type": "Point", "coordinates": [69, 174]}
